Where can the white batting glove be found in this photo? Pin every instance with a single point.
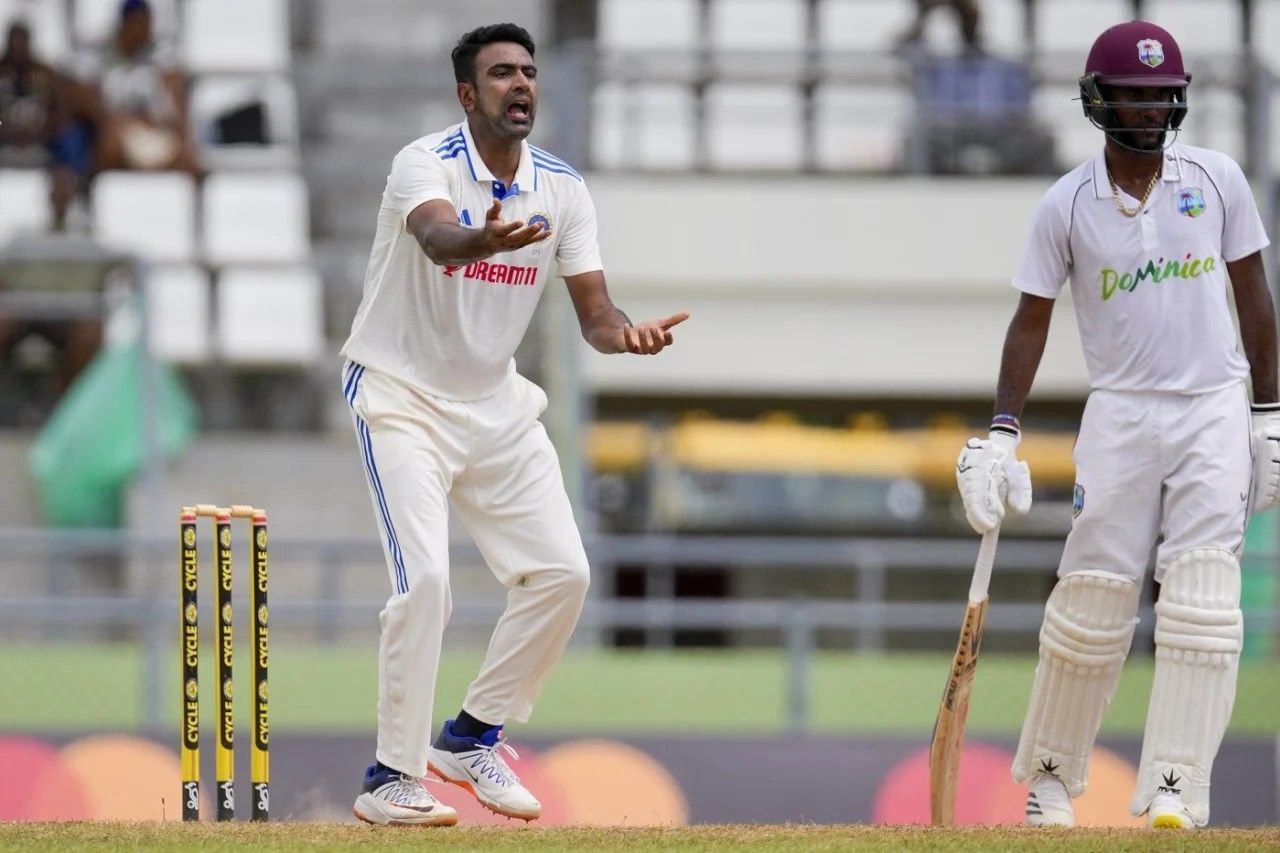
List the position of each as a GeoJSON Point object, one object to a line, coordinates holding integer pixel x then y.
{"type": "Point", "coordinates": [1266, 455]}
{"type": "Point", "coordinates": [990, 476]}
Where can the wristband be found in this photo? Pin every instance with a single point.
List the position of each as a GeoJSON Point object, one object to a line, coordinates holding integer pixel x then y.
{"type": "Point", "coordinates": [1264, 408]}
{"type": "Point", "coordinates": [1006, 423]}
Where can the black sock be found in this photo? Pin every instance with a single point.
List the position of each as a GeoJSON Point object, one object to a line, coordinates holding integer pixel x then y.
{"type": "Point", "coordinates": [468, 726]}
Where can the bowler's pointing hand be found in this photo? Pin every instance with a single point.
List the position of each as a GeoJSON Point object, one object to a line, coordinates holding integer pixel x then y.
{"type": "Point", "coordinates": [651, 337]}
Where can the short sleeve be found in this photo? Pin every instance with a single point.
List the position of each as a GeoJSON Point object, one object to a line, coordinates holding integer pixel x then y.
{"type": "Point", "coordinates": [417, 176]}
{"type": "Point", "coordinates": [1242, 229]}
{"type": "Point", "coordinates": [579, 249]}
{"type": "Point", "coordinates": [1046, 259]}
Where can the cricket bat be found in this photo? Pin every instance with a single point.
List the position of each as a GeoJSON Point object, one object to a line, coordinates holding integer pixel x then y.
{"type": "Point", "coordinates": [948, 730]}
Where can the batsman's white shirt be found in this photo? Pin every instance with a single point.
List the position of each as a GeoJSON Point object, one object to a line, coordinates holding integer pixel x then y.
{"type": "Point", "coordinates": [1163, 452]}
{"type": "Point", "coordinates": [1150, 291]}
{"type": "Point", "coordinates": [451, 331]}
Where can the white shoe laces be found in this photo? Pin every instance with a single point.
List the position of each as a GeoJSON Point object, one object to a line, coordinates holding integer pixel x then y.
{"type": "Point", "coordinates": [409, 790]}
{"type": "Point", "coordinates": [493, 754]}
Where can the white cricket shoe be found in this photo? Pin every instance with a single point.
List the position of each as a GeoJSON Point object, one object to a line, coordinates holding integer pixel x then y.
{"type": "Point", "coordinates": [1048, 803]}
{"type": "Point", "coordinates": [1167, 812]}
{"type": "Point", "coordinates": [477, 765]}
{"type": "Point", "coordinates": [397, 799]}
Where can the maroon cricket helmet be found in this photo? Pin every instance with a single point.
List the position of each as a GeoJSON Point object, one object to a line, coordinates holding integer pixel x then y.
{"type": "Point", "coordinates": [1137, 53]}
{"type": "Point", "coordinates": [1134, 54]}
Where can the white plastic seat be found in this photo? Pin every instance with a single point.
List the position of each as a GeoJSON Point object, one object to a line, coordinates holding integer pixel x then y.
{"type": "Point", "coordinates": [872, 25]}
{"type": "Point", "coordinates": [235, 35]}
{"type": "Point", "coordinates": [1072, 25]}
{"type": "Point", "coordinates": [1058, 107]}
{"type": "Point", "coordinates": [737, 138]}
{"type": "Point", "coordinates": [1215, 119]}
{"type": "Point", "coordinates": [270, 317]}
{"type": "Point", "coordinates": [645, 126]}
{"type": "Point", "coordinates": [860, 127]}
{"type": "Point", "coordinates": [95, 21]}
{"type": "Point", "coordinates": [47, 20]}
{"type": "Point", "coordinates": [24, 202]}
{"type": "Point", "coordinates": [757, 24]}
{"type": "Point", "coordinates": [1202, 28]}
{"type": "Point", "coordinates": [648, 24]}
{"type": "Point", "coordinates": [179, 314]}
{"type": "Point", "coordinates": [152, 214]}
{"type": "Point", "coordinates": [255, 217]}
{"type": "Point", "coordinates": [214, 96]}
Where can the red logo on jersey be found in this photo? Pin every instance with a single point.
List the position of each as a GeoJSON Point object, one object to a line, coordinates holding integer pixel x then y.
{"type": "Point", "coordinates": [495, 273]}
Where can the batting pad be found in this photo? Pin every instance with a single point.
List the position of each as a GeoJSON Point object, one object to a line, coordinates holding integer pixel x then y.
{"type": "Point", "coordinates": [1199, 633]}
{"type": "Point", "coordinates": [1088, 626]}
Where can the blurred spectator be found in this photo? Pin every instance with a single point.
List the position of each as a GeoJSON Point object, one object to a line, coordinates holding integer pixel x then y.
{"type": "Point", "coordinates": [41, 120]}
{"type": "Point", "coordinates": [967, 16]}
{"type": "Point", "coordinates": [974, 116]}
{"type": "Point", "coordinates": [141, 99]}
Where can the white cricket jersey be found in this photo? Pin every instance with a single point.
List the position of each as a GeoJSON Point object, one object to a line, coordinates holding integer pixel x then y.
{"type": "Point", "coordinates": [452, 330]}
{"type": "Point", "coordinates": [1150, 291]}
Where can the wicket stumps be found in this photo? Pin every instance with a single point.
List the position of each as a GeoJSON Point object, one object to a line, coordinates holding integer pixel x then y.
{"type": "Point", "coordinates": [225, 646]}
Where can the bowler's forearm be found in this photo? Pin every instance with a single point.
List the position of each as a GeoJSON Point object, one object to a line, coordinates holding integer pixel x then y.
{"type": "Point", "coordinates": [450, 243]}
{"type": "Point", "coordinates": [604, 330]}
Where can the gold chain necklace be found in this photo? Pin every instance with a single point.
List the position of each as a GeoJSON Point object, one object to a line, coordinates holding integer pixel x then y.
{"type": "Point", "coordinates": [1115, 193]}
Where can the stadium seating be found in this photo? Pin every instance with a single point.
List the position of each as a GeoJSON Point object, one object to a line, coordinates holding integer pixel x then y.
{"type": "Point", "coordinates": [265, 103]}
{"type": "Point", "coordinates": [860, 127]}
{"type": "Point", "coordinates": [737, 138]}
{"type": "Point", "coordinates": [235, 35]}
{"type": "Point", "coordinates": [646, 125]}
{"type": "Point", "coordinates": [1202, 28]}
{"type": "Point", "coordinates": [1072, 26]}
{"type": "Point", "coordinates": [255, 218]}
{"type": "Point", "coordinates": [269, 316]}
{"type": "Point", "coordinates": [870, 25]}
{"type": "Point", "coordinates": [179, 313]}
{"type": "Point", "coordinates": [757, 25]}
{"type": "Point", "coordinates": [649, 24]}
{"type": "Point", "coordinates": [150, 213]}
{"type": "Point", "coordinates": [25, 206]}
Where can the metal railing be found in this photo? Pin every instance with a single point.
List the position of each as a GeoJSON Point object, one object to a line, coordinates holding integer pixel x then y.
{"type": "Point", "coordinates": [869, 617]}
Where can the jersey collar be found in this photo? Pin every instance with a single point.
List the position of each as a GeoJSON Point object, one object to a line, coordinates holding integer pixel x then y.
{"type": "Point", "coordinates": [1102, 184]}
{"type": "Point", "coordinates": [526, 178]}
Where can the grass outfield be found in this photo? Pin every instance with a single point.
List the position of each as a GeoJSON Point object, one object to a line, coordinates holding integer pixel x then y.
{"type": "Point", "coordinates": [67, 687]}
{"type": "Point", "coordinates": [322, 836]}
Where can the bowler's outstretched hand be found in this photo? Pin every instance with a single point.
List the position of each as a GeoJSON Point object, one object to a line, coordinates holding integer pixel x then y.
{"type": "Point", "coordinates": [651, 337]}
{"type": "Point", "coordinates": [502, 236]}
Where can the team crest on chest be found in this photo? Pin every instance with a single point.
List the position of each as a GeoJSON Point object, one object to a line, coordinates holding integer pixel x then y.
{"type": "Point", "coordinates": [539, 219]}
{"type": "Point", "coordinates": [1077, 501]}
{"type": "Point", "coordinates": [1150, 52]}
{"type": "Point", "coordinates": [1191, 202]}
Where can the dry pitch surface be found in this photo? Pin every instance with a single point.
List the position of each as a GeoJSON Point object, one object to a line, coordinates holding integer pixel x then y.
{"type": "Point", "coordinates": [331, 836]}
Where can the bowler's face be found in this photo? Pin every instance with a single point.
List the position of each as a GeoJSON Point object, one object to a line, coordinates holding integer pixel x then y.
{"type": "Point", "coordinates": [506, 89]}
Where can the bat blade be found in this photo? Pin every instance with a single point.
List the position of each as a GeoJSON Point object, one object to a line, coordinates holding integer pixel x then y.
{"type": "Point", "coordinates": [948, 729]}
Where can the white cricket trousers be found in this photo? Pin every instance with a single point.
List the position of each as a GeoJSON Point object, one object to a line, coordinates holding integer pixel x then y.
{"type": "Point", "coordinates": [1155, 466]}
{"type": "Point", "coordinates": [492, 459]}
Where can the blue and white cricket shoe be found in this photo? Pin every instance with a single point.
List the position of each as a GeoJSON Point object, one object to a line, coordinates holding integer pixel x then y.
{"type": "Point", "coordinates": [477, 765]}
{"type": "Point", "coordinates": [391, 798]}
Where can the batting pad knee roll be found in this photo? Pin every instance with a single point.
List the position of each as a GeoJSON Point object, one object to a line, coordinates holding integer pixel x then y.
{"type": "Point", "coordinates": [1088, 628]}
{"type": "Point", "coordinates": [1199, 634]}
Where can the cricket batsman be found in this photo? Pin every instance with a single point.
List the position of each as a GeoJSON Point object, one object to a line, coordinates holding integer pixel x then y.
{"type": "Point", "coordinates": [472, 221]}
{"type": "Point", "coordinates": [1170, 452]}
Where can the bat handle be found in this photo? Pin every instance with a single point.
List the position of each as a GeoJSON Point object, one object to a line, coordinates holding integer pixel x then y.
{"type": "Point", "coordinates": [982, 569]}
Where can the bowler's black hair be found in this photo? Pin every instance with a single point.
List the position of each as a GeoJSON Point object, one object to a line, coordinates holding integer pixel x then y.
{"type": "Point", "coordinates": [464, 53]}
